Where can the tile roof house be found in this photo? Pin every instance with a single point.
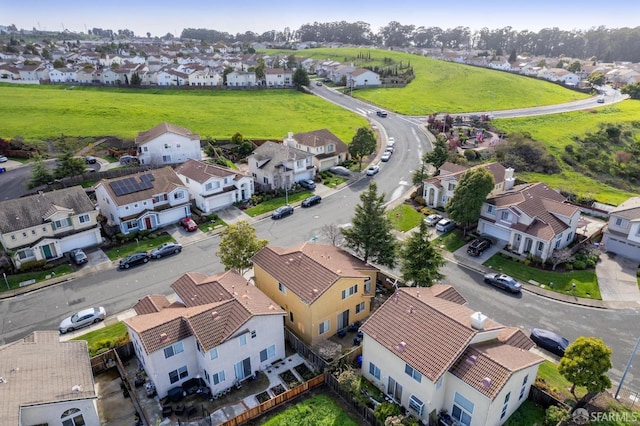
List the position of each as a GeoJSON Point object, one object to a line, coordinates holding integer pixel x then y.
{"type": "Point", "coordinates": [278, 166]}
{"type": "Point", "coordinates": [47, 225]}
{"type": "Point", "coordinates": [143, 201]}
{"type": "Point", "coordinates": [438, 189]}
{"type": "Point", "coordinates": [278, 77]}
{"type": "Point", "coordinates": [220, 328]}
{"type": "Point", "coordinates": [167, 144]}
{"type": "Point", "coordinates": [532, 218]}
{"type": "Point", "coordinates": [622, 233]}
{"type": "Point", "coordinates": [327, 148]}
{"type": "Point", "coordinates": [429, 354]}
{"type": "Point", "coordinates": [214, 187]}
{"type": "Point", "coordinates": [45, 381]}
{"type": "Point", "coordinates": [322, 288]}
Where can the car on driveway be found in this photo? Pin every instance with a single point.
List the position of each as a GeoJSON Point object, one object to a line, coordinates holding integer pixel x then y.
{"type": "Point", "coordinates": [307, 184]}
{"type": "Point", "coordinates": [340, 170]}
{"type": "Point", "coordinates": [82, 319]}
{"type": "Point", "coordinates": [432, 219]}
{"type": "Point", "coordinates": [134, 259]}
{"type": "Point", "coordinates": [90, 159]}
{"type": "Point", "coordinates": [445, 225]}
{"type": "Point", "coordinates": [373, 169]}
{"type": "Point", "coordinates": [3, 159]}
{"type": "Point", "coordinates": [281, 212]}
{"type": "Point", "coordinates": [188, 224]}
{"type": "Point", "coordinates": [550, 341]}
{"type": "Point", "coordinates": [503, 281]}
{"type": "Point", "coordinates": [311, 201]}
{"type": "Point", "coordinates": [386, 156]}
{"type": "Point", "coordinates": [478, 246]}
{"type": "Point", "coordinates": [78, 256]}
{"type": "Point", "coordinates": [165, 250]}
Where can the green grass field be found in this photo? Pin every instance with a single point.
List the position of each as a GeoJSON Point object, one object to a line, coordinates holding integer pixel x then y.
{"type": "Point", "coordinates": [315, 411]}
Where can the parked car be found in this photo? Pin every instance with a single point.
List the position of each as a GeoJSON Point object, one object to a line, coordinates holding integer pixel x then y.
{"type": "Point", "coordinates": [165, 250]}
{"type": "Point", "coordinates": [129, 160]}
{"type": "Point", "coordinates": [3, 159]}
{"type": "Point", "coordinates": [318, 83]}
{"type": "Point", "coordinates": [373, 169]}
{"type": "Point", "coordinates": [600, 100]}
{"type": "Point", "coordinates": [391, 141]}
{"type": "Point", "coordinates": [389, 149]}
{"type": "Point", "coordinates": [188, 224]}
{"type": "Point", "coordinates": [478, 246]}
{"type": "Point", "coordinates": [503, 281]}
{"type": "Point", "coordinates": [90, 159]}
{"type": "Point", "coordinates": [307, 184]}
{"type": "Point", "coordinates": [326, 80]}
{"type": "Point", "coordinates": [134, 259]}
{"type": "Point", "coordinates": [445, 225]}
{"type": "Point", "coordinates": [82, 319]}
{"type": "Point", "coordinates": [381, 113]}
{"type": "Point", "coordinates": [281, 212]}
{"type": "Point", "coordinates": [78, 256]}
{"type": "Point", "coordinates": [432, 219]}
{"type": "Point", "coordinates": [550, 341]}
{"type": "Point", "coordinates": [311, 201]}
{"type": "Point", "coordinates": [340, 170]}
{"type": "Point", "coordinates": [386, 156]}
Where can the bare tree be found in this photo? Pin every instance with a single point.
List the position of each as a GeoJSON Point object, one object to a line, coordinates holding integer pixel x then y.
{"type": "Point", "coordinates": [332, 233]}
{"type": "Point", "coordinates": [559, 256]}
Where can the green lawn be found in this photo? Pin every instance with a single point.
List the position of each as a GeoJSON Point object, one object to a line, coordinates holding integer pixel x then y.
{"type": "Point", "coordinates": [404, 217]}
{"type": "Point", "coordinates": [208, 226]}
{"type": "Point", "coordinates": [104, 337]}
{"type": "Point", "coordinates": [550, 379]}
{"type": "Point", "coordinates": [585, 280]}
{"type": "Point", "coordinates": [274, 203]}
{"type": "Point", "coordinates": [529, 413]}
{"type": "Point", "coordinates": [15, 280]}
{"type": "Point", "coordinates": [451, 241]}
{"type": "Point", "coordinates": [318, 410]}
{"type": "Point", "coordinates": [135, 246]}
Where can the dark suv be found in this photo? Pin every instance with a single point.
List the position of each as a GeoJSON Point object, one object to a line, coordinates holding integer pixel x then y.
{"type": "Point", "coordinates": [478, 245]}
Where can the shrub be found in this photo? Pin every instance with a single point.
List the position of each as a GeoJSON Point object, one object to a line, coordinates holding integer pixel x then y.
{"type": "Point", "coordinates": [349, 381]}
{"type": "Point", "coordinates": [32, 265]}
{"type": "Point", "coordinates": [580, 264]}
{"type": "Point", "coordinates": [554, 415]}
{"type": "Point", "coordinates": [568, 266]}
{"type": "Point", "coordinates": [386, 409]}
{"type": "Point", "coordinates": [420, 200]}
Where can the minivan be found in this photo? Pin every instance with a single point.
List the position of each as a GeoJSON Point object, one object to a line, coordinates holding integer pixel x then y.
{"type": "Point", "coordinates": [445, 225]}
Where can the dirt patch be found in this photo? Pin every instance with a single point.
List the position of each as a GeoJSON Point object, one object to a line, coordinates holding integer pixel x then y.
{"type": "Point", "coordinates": [113, 407]}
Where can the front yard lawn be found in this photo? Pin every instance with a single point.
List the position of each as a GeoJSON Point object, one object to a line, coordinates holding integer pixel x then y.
{"type": "Point", "coordinates": [104, 338]}
{"type": "Point", "coordinates": [15, 280]}
{"type": "Point", "coordinates": [135, 246]}
{"type": "Point", "coordinates": [554, 383]}
{"type": "Point", "coordinates": [274, 203]}
{"type": "Point", "coordinates": [451, 241]}
{"type": "Point", "coordinates": [404, 217]}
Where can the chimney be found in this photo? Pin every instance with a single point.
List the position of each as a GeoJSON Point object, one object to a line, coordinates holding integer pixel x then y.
{"type": "Point", "coordinates": [509, 179]}
{"type": "Point", "coordinates": [478, 320]}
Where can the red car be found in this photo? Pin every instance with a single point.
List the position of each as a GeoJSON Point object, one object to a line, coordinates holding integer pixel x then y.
{"type": "Point", "coordinates": [188, 224]}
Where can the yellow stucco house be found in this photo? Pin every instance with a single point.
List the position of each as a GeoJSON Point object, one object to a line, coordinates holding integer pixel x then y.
{"type": "Point", "coordinates": [322, 288]}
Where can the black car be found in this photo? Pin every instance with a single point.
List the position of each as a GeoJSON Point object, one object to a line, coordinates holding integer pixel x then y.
{"type": "Point", "coordinates": [78, 256]}
{"type": "Point", "coordinates": [550, 341]}
{"type": "Point", "coordinates": [281, 212]}
{"type": "Point", "coordinates": [307, 184]}
{"type": "Point", "coordinates": [504, 282]}
{"type": "Point", "coordinates": [311, 201]}
{"type": "Point", "coordinates": [165, 250]}
{"type": "Point", "coordinates": [478, 246]}
{"type": "Point", "coordinates": [90, 160]}
{"type": "Point", "coordinates": [134, 259]}
{"type": "Point", "coordinates": [381, 113]}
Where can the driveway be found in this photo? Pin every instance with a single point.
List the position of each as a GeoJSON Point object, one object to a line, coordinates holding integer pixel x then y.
{"type": "Point", "coordinates": [617, 278]}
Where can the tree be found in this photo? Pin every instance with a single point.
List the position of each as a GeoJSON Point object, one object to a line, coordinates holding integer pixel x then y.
{"type": "Point", "coordinates": [237, 138]}
{"type": "Point", "coordinates": [40, 174]}
{"type": "Point", "coordinates": [574, 67]}
{"type": "Point", "coordinates": [135, 79]}
{"type": "Point", "coordinates": [559, 256]}
{"type": "Point", "coordinates": [597, 78]}
{"type": "Point", "coordinates": [259, 70]}
{"type": "Point", "coordinates": [300, 78]}
{"type": "Point", "coordinates": [439, 154]}
{"type": "Point", "coordinates": [585, 363]}
{"type": "Point", "coordinates": [68, 165]}
{"type": "Point", "coordinates": [470, 192]}
{"type": "Point", "coordinates": [420, 174]}
{"type": "Point", "coordinates": [370, 233]}
{"type": "Point", "coordinates": [633, 90]}
{"type": "Point", "coordinates": [238, 244]}
{"type": "Point", "coordinates": [512, 56]}
{"type": "Point", "coordinates": [363, 144]}
{"type": "Point", "coordinates": [332, 233]}
{"type": "Point", "coordinates": [420, 260]}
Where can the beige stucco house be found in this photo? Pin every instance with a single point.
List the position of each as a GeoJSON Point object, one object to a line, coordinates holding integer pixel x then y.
{"type": "Point", "coordinates": [622, 233]}
{"type": "Point", "coordinates": [327, 149]}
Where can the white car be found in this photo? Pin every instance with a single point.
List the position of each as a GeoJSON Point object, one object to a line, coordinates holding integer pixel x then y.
{"type": "Point", "coordinates": [3, 159]}
{"type": "Point", "coordinates": [432, 219]}
{"type": "Point", "coordinates": [386, 156]}
{"type": "Point", "coordinates": [373, 169]}
{"type": "Point", "coordinates": [391, 142]}
{"type": "Point", "coordinates": [82, 319]}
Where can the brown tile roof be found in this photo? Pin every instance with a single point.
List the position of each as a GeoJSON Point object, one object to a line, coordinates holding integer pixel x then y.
{"type": "Point", "coordinates": [165, 181]}
{"type": "Point", "coordinates": [277, 71]}
{"type": "Point", "coordinates": [447, 292]}
{"type": "Point", "coordinates": [40, 369]}
{"type": "Point", "coordinates": [321, 137]}
{"type": "Point", "coordinates": [201, 172]}
{"type": "Point", "coordinates": [275, 154]}
{"type": "Point", "coordinates": [22, 213]}
{"type": "Point", "coordinates": [451, 168]}
{"type": "Point", "coordinates": [160, 129]}
{"type": "Point", "coordinates": [151, 303]}
{"type": "Point", "coordinates": [515, 337]}
{"type": "Point", "coordinates": [309, 269]}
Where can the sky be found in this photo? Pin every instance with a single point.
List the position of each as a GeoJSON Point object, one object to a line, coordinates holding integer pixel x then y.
{"type": "Point", "coordinates": [160, 17]}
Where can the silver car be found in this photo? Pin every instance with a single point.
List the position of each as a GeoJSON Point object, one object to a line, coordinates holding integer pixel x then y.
{"type": "Point", "coordinates": [165, 250]}
{"type": "Point", "coordinates": [82, 319]}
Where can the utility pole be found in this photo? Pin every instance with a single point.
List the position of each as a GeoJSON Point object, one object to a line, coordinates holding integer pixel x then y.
{"type": "Point", "coordinates": [626, 369]}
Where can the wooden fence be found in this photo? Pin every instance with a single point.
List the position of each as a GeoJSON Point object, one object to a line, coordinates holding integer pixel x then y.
{"type": "Point", "coordinates": [299, 346]}
{"type": "Point", "coordinates": [365, 412]}
{"type": "Point", "coordinates": [544, 399]}
{"type": "Point", "coordinates": [106, 360]}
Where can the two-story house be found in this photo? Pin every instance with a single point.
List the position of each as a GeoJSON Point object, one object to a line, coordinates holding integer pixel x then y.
{"type": "Point", "coordinates": [167, 144]}
{"type": "Point", "coordinates": [214, 187]}
{"type": "Point", "coordinates": [622, 233]}
{"type": "Point", "coordinates": [278, 166]}
{"type": "Point", "coordinates": [532, 218]}
{"type": "Point", "coordinates": [362, 77]}
{"type": "Point", "coordinates": [220, 328]}
{"type": "Point", "coordinates": [47, 382]}
{"type": "Point", "coordinates": [429, 353]}
{"type": "Point", "coordinates": [322, 288]}
{"type": "Point", "coordinates": [144, 201]}
{"type": "Point", "coordinates": [327, 149]}
{"type": "Point", "coordinates": [241, 79]}
{"type": "Point", "coordinates": [47, 225]}
{"type": "Point", "coordinates": [278, 77]}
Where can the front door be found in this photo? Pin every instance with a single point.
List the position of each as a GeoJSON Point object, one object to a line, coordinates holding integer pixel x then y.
{"type": "Point", "coordinates": [147, 223]}
{"type": "Point", "coordinates": [46, 251]}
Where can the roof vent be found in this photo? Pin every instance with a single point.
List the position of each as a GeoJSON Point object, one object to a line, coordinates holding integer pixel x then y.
{"type": "Point", "coordinates": [471, 360]}
{"type": "Point", "coordinates": [76, 388]}
{"type": "Point", "coordinates": [410, 310]}
{"type": "Point", "coordinates": [163, 337]}
{"type": "Point", "coordinates": [418, 294]}
{"type": "Point", "coordinates": [486, 383]}
{"type": "Point", "coordinates": [401, 346]}
{"type": "Point", "coordinates": [215, 315]}
{"type": "Point", "coordinates": [478, 320]}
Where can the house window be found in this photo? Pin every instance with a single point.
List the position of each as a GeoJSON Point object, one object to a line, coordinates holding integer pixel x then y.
{"type": "Point", "coordinates": [268, 353]}
{"type": "Point", "coordinates": [178, 195]}
{"type": "Point", "coordinates": [413, 373]}
{"type": "Point", "coordinates": [243, 340]}
{"type": "Point", "coordinates": [451, 186]}
{"type": "Point", "coordinates": [540, 245]}
{"type": "Point", "coordinates": [72, 417]}
{"type": "Point", "coordinates": [174, 349]}
{"type": "Point", "coordinates": [132, 224]}
{"type": "Point", "coordinates": [330, 147]}
{"type": "Point", "coordinates": [367, 285]}
{"type": "Point", "coordinates": [33, 232]}
{"type": "Point", "coordinates": [282, 288]}
{"type": "Point", "coordinates": [299, 164]}
{"type": "Point", "coordinates": [166, 146]}
{"type": "Point", "coordinates": [166, 158]}
{"type": "Point", "coordinates": [416, 405]}
{"type": "Point", "coordinates": [158, 198]}
{"type": "Point", "coordinates": [178, 374]}
{"type": "Point", "coordinates": [359, 307]}
{"type": "Point", "coordinates": [24, 235]}
{"type": "Point", "coordinates": [253, 334]}
{"type": "Point", "coordinates": [84, 218]}
{"type": "Point", "coordinates": [559, 241]}
{"type": "Point", "coordinates": [505, 215]}
{"type": "Point", "coordinates": [490, 208]}
{"type": "Point", "coordinates": [198, 347]}
{"type": "Point", "coordinates": [621, 222]}
{"type": "Point", "coordinates": [291, 316]}
{"type": "Point", "coordinates": [13, 237]}
{"type": "Point", "coordinates": [439, 383]}
{"type": "Point", "coordinates": [350, 291]}
{"type": "Point", "coordinates": [265, 180]}
{"type": "Point", "coordinates": [570, 236]}
{"type": "Point", "coordinates": [214, 353]}
{"type": "Point", "coordinates": [206, 376]}
{"type": "Point", "coordinates": [324, 327]}
{"type": "Point", "coordinates": [374, 370]}
{"type": "Point", "coordinates": [145, 149]}
{"type": "Point", "coordinates": [505, 405]}
{"type": "Point", "coordinates": [62, 223]}
{"type": "Point", "coordinates": [24, 254]}
{"type": "Point", "coordinates": [462, 409]}
{"type": "Point", "coordinates": [524, 387]}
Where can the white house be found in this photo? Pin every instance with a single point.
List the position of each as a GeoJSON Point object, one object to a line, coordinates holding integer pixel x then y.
{"type": "Point", "coordinates": [221, 329]}
{"type": "Point", "coordinates": [47, 225]}
{"type": "Point", "coordinates": [144, 201]}
{"type": "Point", "coordinates": [204, 77]}
{"type": "Point", "coordinates": [214, 187]}
{"type": "Point", "coordinates": [326, 148]}
{"type": "Point", "coordinates": [63, 75]}
{"type": "Point", "coordinates": [622, 233]}
{"type": "Point", "coordinates": [532, 218]}
{"type": "Point", "coordinates": [46, 381]}
{"type": "Point", "coordinates": [429, 353]}
{"type": "Point", "coordinates": [278, 77]}
{"type": "Point", "coordinates": [278, 166]}
{"type": "Point", "coordinates": [167, 144]}
{"type": "Point", "coordinates": [241, 79]}
{"type": "Point", "coordinates": [362, 77]}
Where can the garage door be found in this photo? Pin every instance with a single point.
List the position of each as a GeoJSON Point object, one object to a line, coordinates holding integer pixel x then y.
{"type": "Point", "coordinates": [622, 247]}
{"type": "Point", "coordinates": [85, 239]}
{"type": "Point", "coordinates": [495, 231]}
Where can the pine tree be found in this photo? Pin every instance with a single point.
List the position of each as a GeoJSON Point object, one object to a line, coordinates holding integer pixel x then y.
{"type": "Point", "coordinates": [420, 259]}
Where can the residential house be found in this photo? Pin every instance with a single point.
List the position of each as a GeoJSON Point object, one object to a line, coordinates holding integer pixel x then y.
{"type": "Point", "coordinates": [277, 77]}
{"type": "Point", "coordinates": [167, 144]}
{"type": "Point", "coordinates": [221, 329]}
{"type": "Point", "coordinates": [214, 187]}
{"type": "Point", "coordinates": [622, 233]}
{"type": "Point", "coordinates": [46, 381]}
{"type": "Point", "coordinates": [429, 353]}
{"type": "Point", "coordinates": [326, 148]}
{"type": "Point", "coordinates": [47, 225]}
{"type": "Point", "coordinates": [361, 78]}
{"type": "Point", "coordinates": [322, 288]}
{"type": "Point", "coordinates": [9, 73]}
{"type": "Point", "coordinates": [241, 79]}
{"type": "Point", "coordinates": [438, 189]}
{"type": "Point", "coordinates": [204, 77]}
{"type": "Point", "coordinates": [278, 166]}
{"type": "Point", "coordinates": [144, 201]}
{"type": "Point", "coordinates": [532, 218]}
{"type": "Point", "coordinates": [33, 74]}
{"type": "Point", "coordinates": [63, 75]}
